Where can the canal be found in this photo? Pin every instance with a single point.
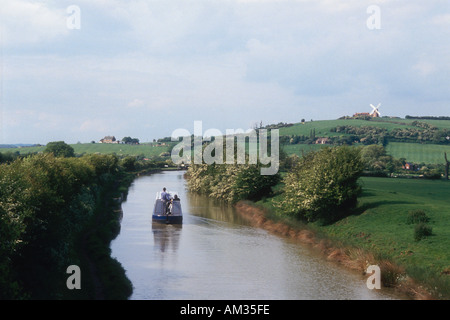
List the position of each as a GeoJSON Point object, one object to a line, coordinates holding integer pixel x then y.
{"type": "Point", "coordinates": [215, 254]}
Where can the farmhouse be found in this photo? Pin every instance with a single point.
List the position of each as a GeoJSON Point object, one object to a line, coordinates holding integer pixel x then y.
{"type": "Point", "coordinates": [109, 139]}
{"type": "Point", "coordinates": [410, 166]}
{"type": "Point", "coordinates": [322, 141]}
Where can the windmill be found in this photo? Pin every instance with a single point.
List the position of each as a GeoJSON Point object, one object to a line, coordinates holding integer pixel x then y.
{"type": "Point", "coordinates": [375, 113]}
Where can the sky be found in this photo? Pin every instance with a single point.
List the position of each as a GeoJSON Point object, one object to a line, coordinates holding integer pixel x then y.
{"type": "Point", "coordinates": [79, 70]}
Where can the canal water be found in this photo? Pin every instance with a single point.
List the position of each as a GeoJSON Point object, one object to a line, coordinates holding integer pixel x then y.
{"type": "Point", "coordinates": [215, 254]}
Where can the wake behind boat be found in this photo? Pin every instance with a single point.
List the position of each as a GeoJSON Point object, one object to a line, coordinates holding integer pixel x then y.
{"type": "Point", "coordinates": [167, 211]}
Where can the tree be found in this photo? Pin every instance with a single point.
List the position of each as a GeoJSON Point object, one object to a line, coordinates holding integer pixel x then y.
{"type": "Point", "coordinates": [374, 157]}
{"type": "Point", "coordinates": [323, 186]}
{"type": "Point", "coordinates": [129, 140]}
{"type": "Point", "coordinates": [446, 166]}
{"type": "Point", "coordinates": [60, 149]}
{"type": "Point", "coordinates": [250, 184]}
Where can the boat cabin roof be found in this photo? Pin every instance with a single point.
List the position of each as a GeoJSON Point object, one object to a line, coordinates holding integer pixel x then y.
{"type": "Point", "coordinates": [172, 194]}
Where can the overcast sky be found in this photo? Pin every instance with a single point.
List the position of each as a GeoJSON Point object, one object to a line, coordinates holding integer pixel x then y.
{"type": "Point", "coordinates": [145, 68]}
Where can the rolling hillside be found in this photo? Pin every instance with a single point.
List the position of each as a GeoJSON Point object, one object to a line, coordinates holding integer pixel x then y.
{"type": "Point", "coordinates": [412, 152]}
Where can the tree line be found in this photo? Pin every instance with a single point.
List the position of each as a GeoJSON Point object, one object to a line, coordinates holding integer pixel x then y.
{"type": "Point", "coordinates": [422, 133]}
{"type": "Point", "coordinates": [367, 135]}
{"type": "Point", "coordinates": [46, 203]}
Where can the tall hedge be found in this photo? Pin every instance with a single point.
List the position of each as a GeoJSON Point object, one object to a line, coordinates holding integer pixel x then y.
{"type": "Point", "coordinates": [323, 185]}
{"type": "Point", "coordinates": [231, 182]}
{"type": "Point", "coordinates": [44, 201]}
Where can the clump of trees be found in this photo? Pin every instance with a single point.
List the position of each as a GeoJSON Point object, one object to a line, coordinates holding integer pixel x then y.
{"type": "Point", "coordinates": [323, 185]}
{"type": "Point", "coordinates": [231, 182]}
{"type": "Point", "coordinates": [60, 149]}
{"type": "Point", "coordinates": [129, 140]}
{"type": "Point", "coordinates": [376, 160]}
{"type": "Point", "coordinates": [365, 134]}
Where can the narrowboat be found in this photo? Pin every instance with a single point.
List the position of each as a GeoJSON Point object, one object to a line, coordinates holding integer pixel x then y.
{"type": "Point", "coordinates": [167, 211]}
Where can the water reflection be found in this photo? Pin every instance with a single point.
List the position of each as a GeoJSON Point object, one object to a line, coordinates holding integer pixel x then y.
{"type": "Point", "coordinates": [205, 207]}
{"type": "Point", "coordinates": [166, 236]}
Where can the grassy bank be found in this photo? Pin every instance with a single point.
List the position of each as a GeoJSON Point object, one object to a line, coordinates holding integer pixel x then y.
{"type": "Point", "coordinates": [380, 227]}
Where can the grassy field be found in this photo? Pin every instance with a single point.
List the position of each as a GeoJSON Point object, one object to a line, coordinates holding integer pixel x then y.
{"type": "Point", "coordinates": [106, 148]}
{"type": "Point", "coordinates": [299, 149]}
{"type": "Point", "coordinates": [412, 152]}
{"type": "Point", "coordinates": [382, 226]}
{"type": "Point", "coordinates": [323, 127]}
{"type": "Point", "coordinates": [418, 153]}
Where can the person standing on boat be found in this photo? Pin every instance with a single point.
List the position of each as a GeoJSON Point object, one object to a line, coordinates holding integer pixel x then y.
{"type": "Point", "coordinates": [165, 197]}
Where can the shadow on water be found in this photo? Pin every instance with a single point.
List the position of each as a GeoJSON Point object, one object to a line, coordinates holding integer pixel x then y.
{"type": "Point", "coordinates": [205, 207]}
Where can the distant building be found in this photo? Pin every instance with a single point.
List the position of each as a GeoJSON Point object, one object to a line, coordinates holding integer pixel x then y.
{"type": "Point", "coordinates": [410, 166]}
{"type": "Point", "coordinates": [322, 141]}
{"type": "Point", "coordinates": [366, 114]}
{"type": "Point", "coordinates": [109, 139]}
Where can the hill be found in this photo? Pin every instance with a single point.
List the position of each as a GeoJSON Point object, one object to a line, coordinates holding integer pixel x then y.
{"type": "Point", "coordinates": [412, 139]}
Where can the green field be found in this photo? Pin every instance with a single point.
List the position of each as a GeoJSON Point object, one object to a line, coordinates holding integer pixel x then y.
{"type": "Point", "coordinates": [383, 224]}
{"type": "Point", "coordinates": [103, 148]}
{"type": "Point", "coordinates": [300, 149]}
{"type": "Point", "coordinates": [417, 152]}
{"type": "Point", "coordinates": [323, 127]}
{"type": "Point", "coordinates": [412, 152]}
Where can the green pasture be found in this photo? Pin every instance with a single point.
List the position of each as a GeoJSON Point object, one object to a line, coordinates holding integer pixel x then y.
{"type": "Point", "coordinates": [381, 225]}
{"type": "Point", "coordinates": [102, 148]}
{"type": "Point", "coordinates": [418, 153]}
{"type": "Point", "coordinates": [300, 149]}
{"type": "Point", "coordinates": [322, 127]}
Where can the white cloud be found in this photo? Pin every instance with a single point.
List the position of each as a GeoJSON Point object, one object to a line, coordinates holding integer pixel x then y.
{"type": "Point", "coordinates": [26, 22]}
{"type": "Point", "coordinates": [442, 20]}
{"type": "Point", "coordinates": [136, 103]}
{"type": "Point", "coordinates": [425, 68]}
{"type": "Point", "coordinates": [94, 125]}
{"type": "Point", "coordinates": [228, 62]}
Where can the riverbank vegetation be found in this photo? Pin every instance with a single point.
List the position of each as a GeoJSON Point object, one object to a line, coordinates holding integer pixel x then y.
{"type": "Point", "coordinates": [62, 211]}
{"type": "Point", "coordinates": [231, 182]}
{"type": "Point", "coordinates": [333, 192]}
{"type": "Point", "coordinates": [323, 186]}
{"type": "Point", "coordinates": [403, 224]}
